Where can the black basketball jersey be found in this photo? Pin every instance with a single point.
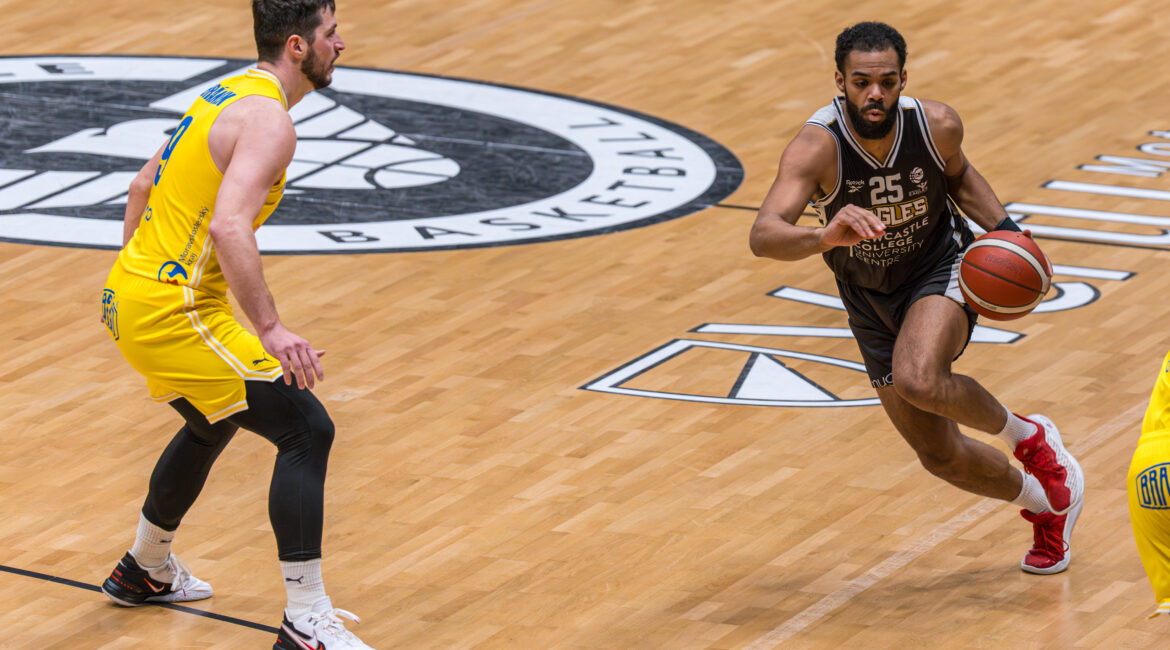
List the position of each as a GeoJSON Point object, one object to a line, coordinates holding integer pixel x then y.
{"type": "Point", "coordinates": [907, 191]}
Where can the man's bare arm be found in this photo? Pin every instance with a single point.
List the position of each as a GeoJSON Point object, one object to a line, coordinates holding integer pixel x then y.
{"type": "Point", "coordinates": [971, 192]}
{"type": "Point", "coordinates": [139, 196]}
{"type": "Point", "coordinates": [775, 233]}
{"type": "Point", "coordinates": [262, 151]}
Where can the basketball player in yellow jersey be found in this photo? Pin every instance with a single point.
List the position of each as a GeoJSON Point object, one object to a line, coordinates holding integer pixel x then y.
{"type": "Point", "coordinates": [1148, 485]}
{"type": "Point", "coordinates": [189, 235]}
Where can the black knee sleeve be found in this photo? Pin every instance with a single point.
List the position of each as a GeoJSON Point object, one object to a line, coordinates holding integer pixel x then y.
{"type": "Point", "coordinates": [182, 469]}
{"type": "Point", "coordinates": [296, 422]}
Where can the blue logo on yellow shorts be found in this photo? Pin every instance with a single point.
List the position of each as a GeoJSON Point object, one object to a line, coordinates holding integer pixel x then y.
{"type": "Point", "coordinates": [169, 271]}
{"type": "Point", "coordinates": [1153, 487]}
{"type": "Point", "coordinates": [110, 312]}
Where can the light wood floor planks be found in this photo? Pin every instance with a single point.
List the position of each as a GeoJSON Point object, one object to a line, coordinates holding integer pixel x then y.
{"type": "Point", "coordinates": [478, 498]}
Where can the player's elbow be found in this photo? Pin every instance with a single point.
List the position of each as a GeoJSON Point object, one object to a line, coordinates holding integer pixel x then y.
{"type": "Point", "coordinates": [220, 229]}
{"type": "Point", "coordinates": [768, 240]}
{"type": "Point", "coordinates": [757, 241]}
{"type": "Point", "coordinates": [141, 185]}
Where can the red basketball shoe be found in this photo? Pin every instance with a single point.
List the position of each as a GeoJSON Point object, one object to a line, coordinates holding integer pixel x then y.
{"type": "Point", "coordinates": [1045, 457]}
{"type": "Point", "coordinates": [1051, 533]}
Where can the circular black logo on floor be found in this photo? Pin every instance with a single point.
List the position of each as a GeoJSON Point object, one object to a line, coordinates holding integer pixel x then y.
{"type": "Point", "coordinates": [385, 161]}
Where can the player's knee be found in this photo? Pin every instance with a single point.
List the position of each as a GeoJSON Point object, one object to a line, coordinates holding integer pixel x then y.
{"type": "Point", "coordinates": [210, 435]}
{"type": "Point", "coordinates": [311, 438]}
{"type": "Point", "coordinates": [321, 430]}
{"type": "Point", "coordinates": [918, 388]}
{"type": "Point", "coordinates": [941, 462]}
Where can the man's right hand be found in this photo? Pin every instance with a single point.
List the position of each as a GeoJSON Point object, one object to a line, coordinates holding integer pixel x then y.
{"type": "Point", "coordinates": [296, 356]}
{"type": "Point", "coordinates": [850, 225]}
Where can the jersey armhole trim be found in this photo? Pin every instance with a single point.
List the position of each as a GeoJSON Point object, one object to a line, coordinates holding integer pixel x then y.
{"type": "Point", "coordinates": [827, 198]}
{"type": "Point", "coordinates": [924, 126]}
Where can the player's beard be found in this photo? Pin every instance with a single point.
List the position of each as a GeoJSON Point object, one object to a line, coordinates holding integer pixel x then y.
{"type": "Point", "coordinates": [871, 130]}
{"type": "Point", "coordinates": [316, 70]}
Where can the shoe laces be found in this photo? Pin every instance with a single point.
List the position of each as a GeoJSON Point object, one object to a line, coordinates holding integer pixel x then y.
{"type": "Point", "coordinates": [1041, 458]}
{"type": "Point", "coordinates": [180, 569]}
{"type": "Point", "coordinates": [1047, 538]}
{"type": "Point", "coordinates": [330, 620]}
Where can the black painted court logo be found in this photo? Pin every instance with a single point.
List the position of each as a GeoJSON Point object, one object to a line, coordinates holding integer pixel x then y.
{"type": "Point", "coordinates": [385, 161]}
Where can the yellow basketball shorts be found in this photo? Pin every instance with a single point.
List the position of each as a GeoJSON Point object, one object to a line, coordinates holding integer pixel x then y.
{"type": "Point", "coordinates": [185, 342]}
{"type": "Point", "coordinates": [1148, 485]}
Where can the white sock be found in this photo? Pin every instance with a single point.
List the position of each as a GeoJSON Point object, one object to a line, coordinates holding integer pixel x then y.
{"type": "Point", "coordinates": [1016, 430]}
{"type": "Point", "coordinates": [1031, 496]}
{"type": "Point", "coordinates": [302, 581]}
{"type": "Point", "coordinates": [152, 545]}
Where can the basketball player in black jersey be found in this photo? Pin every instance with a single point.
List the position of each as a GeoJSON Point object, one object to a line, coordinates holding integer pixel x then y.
{"type": "Point", "coordinates": [886, 172]}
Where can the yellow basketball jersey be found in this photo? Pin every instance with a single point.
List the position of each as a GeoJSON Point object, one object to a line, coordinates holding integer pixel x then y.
{"type": "Point", "coordinates": [172, 243]}
{"type": "Point", "coordinates": [1148, 487]}
{"type": "Point", "coordinates": [1158, 413]}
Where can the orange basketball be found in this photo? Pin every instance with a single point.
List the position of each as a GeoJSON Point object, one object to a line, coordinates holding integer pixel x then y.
{"type": "Point", "coordinates": [1004, 275]}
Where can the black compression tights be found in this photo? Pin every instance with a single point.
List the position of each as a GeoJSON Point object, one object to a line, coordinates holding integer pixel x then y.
{"type": "Point", "coordinates": [293, 420]}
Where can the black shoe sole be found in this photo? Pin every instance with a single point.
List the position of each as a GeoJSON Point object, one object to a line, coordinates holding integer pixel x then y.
{"type": "Point", "coordinates": [120, 596]}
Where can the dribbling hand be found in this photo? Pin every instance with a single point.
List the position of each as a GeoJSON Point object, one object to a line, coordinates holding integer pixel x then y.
{"type": "Point", "coordinates": [850, 225]}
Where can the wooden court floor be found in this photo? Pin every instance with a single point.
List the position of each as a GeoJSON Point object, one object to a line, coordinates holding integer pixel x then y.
{"type": "Point", "coordinates": [478, 497]}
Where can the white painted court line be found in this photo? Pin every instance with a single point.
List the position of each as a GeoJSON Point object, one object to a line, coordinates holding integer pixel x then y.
{"type": "Point", "coordinates": [1131, 419]}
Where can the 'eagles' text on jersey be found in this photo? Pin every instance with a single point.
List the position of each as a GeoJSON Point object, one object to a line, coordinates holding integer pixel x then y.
{"type": "Point", "coordinates": [907, 192]}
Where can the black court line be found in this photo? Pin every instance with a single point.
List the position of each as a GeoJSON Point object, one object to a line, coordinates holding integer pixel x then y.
{"type": "Point", "coordinates": [179, 608]}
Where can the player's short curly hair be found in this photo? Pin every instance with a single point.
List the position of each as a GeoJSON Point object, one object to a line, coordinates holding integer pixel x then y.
{"type": "Point", "coordinates": [273, 21]}
{"type": "Point", "coordinates": [869, 37]}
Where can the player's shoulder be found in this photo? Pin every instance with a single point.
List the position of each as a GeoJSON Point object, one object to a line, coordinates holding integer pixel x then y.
{"type": "Point", "coordinates": [825, 116]}
{"type": "Point", "coordinates": [261, 127]}
{"type": "Point", "coordinates": [263, 117]}
{"type": "Point", "coordinates": [261, 110]}
{"type": "Point", "coordinates": [943, 119]}
{"type": "Point", "coordinates": [814, 148]}
{"type": "Point", "coordinates": [819, 131]}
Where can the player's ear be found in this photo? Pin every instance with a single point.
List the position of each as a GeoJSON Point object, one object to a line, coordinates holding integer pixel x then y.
{"type": "Point", "coordinates": [297, 46]}
{"type": "Point", "coordinates": [840, 79]}
{"type": "Point", "coordinates": [903, 84]}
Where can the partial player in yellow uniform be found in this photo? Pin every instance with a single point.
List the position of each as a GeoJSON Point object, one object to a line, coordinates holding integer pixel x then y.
{"type": "Point", "coordinates": [1148, 485]}
{"type": "Point", "coordinates": [189, 234]}
{"type": "Point", "coordinates": [174, 322]}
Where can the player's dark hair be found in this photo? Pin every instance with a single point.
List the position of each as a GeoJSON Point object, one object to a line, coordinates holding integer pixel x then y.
{"type": "Point", "coordinates": [869, 37]}
{"type": "Point", "coordinates": [273, 21]}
